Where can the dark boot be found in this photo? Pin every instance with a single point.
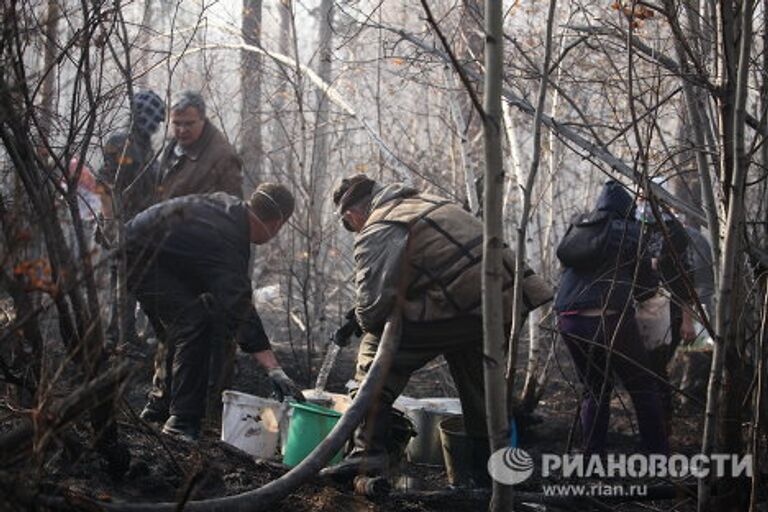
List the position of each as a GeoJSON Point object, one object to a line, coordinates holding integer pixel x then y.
{"type": "Point", "coordinates": [183, 427]}
{"type": "Point", "coordinates": [155, 412]}
{"type": "Point", "coordinates": [401, 432]}
{"type": "Point", "coordinates": [359, 463]}
{"type": "Point", "coordinates": [370, 456]}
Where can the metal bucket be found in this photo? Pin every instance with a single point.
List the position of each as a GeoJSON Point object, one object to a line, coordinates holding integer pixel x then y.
{"type": "Point", "coordinates": [426, 415]}
{"type": "Point", "coordinates": [466, 457]}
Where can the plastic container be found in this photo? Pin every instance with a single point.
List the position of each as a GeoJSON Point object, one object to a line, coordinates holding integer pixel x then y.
{"type": "Point", "coordinates": [251, 423]}
{"type": "Point", "coordinates": [466, 457]}
{"type": "Point", "coordinates": [426, 415]}
{"type": "Point", "coordinates": [336, 401]}
{"type": "Point", "coordinates": [310, 424]}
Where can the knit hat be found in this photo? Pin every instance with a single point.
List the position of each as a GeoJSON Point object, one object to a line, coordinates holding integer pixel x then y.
{"type": "Point", "coordinates": [148, 111]}
{"type": "Point", "coordinates": [352, 190]}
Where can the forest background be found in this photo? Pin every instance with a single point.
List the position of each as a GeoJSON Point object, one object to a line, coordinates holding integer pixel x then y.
{"type": "Point", "coordinates": [310, 92]}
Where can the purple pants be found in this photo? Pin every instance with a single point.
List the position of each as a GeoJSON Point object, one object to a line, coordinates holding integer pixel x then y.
{"type": "Point", "coordinates": [588, 340]}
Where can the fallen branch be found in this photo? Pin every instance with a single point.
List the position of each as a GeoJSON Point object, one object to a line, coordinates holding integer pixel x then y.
{"type": "Point", "coordinates": [94, 394]}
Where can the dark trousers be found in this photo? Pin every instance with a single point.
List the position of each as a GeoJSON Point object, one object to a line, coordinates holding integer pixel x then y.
{"type": "Point", "coordinates": [588, 340]}
{"type": "Point", "coordinates": [459, 340]}
{"type": "Point", "coordinates": [221, 371]}
{"type": "Point", "coordinates": [182, 317]}
{"type": "Point", "coordinates": [658, 360]}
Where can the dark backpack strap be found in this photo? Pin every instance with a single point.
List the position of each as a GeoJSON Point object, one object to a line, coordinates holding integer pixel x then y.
{"type": "Point", "coordinates": [436, 276]}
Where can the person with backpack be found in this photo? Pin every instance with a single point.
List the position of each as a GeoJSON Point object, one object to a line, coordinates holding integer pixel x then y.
{"type": "Point", "coordinates": [429, 249]}
{"type": "Point", "coordinates": [596, 318]}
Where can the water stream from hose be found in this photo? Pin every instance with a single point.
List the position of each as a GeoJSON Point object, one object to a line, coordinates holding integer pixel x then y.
{"type": "Point", "coordinates": [325, 369]}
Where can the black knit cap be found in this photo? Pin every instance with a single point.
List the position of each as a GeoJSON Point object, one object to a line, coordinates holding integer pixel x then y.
{"type": "Point", "coordinates": [352, 190]}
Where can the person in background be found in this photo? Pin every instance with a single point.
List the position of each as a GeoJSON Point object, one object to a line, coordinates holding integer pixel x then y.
{"type": "Point", "coordinates": [665, 319]}
{"type": "Point", "coordinates": [596, 319]}
{"type": "Point", "coordinates": [88, 200]}
{"type": "Point", "coordinates": [130, 166]}
{"type": "Point", "coordinates": [189, 259]}
{"type": "Point", "coordinates": [198, 159]}
{"type": "Point", "coordinates": [126, 182]}
{"type": "Point", "coordinates": [696, 363]}
{"type": "Point", "coordinates": [699, 260]}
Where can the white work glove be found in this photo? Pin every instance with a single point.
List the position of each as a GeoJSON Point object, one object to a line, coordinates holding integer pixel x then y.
{"type": "Point", "coordinates": [283, 385]}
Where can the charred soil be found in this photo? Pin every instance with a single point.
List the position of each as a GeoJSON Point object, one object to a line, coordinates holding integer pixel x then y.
{"type": "Point", "coordinates": [165, 469]}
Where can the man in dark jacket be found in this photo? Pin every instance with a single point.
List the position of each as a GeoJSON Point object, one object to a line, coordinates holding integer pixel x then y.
{"type": "Point", "coordinates": [188, 260]}
{"type": "Point", "coordinates": [198, 160]}
{"type": "Point", "coordinates": [597, 321]}
{"type": "Point", "coordinates": [430, 248]}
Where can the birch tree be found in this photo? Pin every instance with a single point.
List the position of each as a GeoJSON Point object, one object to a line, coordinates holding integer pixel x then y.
{"type": "Point", "coordinates": [493, 244]}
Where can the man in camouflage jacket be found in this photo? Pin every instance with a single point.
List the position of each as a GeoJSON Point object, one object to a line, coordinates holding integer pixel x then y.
{"type": "Point", "coordinates": [429, 249]}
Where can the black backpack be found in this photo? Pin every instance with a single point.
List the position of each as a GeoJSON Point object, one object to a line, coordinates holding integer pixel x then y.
{"type": "Point", "coordinates": [586, 244]}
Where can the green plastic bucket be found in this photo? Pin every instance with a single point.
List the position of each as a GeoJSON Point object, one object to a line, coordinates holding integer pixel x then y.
{"type": "Point", "coordinates": [310, 424]}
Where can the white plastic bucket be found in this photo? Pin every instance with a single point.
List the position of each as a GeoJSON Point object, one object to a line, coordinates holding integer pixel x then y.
{"type": "Point", "coordinates": [251, 423]}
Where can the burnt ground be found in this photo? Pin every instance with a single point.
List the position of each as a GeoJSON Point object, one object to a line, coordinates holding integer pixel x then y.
{"type": "Point", "coordinates": [167, 469]}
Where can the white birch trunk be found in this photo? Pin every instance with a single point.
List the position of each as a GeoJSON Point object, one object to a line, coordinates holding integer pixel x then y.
{"type": "Point", "coordinates": [493, 243]}
{"type": "Point", "coordinates": [470, 180]}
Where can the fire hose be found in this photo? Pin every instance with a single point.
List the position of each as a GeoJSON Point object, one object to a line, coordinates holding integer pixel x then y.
{"type": "Point", "coordinates": [263, 497]}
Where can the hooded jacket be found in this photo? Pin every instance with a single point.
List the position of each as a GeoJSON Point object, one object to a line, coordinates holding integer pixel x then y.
{"type": "Point", "coordinates": [613, 283]}
{"type": "Point", "coordinates": [129, 170]}
{"type": "Point", "coordinates": [432, 248]}
{"type": "Point", "coordinates": [204, 240]}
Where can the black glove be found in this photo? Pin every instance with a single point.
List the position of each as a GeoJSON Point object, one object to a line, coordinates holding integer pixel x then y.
{"type": "Point", "coordinates": [343, 334]}
{"type": "Point", "coordinates": [284, 386]}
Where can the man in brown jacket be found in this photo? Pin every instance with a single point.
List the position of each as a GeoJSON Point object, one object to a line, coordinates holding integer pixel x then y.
{"type": "Point", "coordinates": [431, 249]}
{"type": "Point", "coordinates": [198, 160]}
